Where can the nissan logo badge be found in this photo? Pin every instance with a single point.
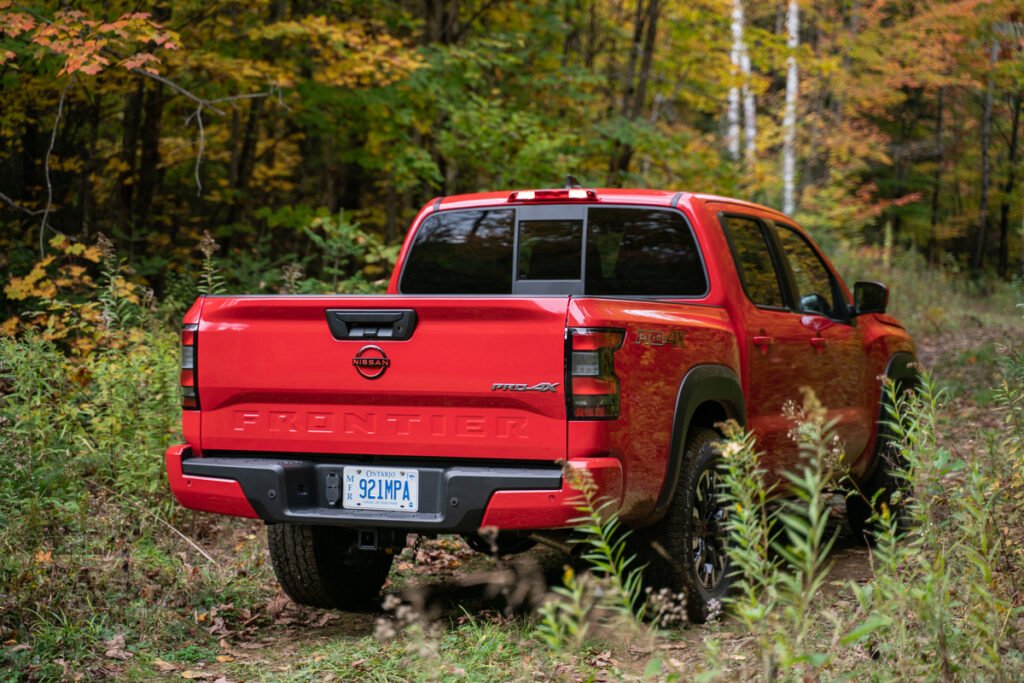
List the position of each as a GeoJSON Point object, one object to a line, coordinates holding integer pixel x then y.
{"type": "Point", "coordinates": [371, 362]}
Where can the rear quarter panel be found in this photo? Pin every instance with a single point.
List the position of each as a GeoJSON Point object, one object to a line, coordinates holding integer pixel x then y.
{"type": "Point", "coordinates": [663, 340]}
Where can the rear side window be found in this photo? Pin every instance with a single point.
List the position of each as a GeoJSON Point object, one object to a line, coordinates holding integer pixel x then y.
{"type": "Point", "coordinates": [754, 261]}
{"type": "Point", "coordinates": [642, 252]}
{"type": "Point", "coordinates": [462, 252]}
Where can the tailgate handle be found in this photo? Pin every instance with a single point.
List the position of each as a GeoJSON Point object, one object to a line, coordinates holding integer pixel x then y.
{"type": "Point", "coordinates": [396, 324]}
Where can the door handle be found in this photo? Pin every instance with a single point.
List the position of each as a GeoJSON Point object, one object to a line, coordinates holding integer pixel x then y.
{"type": "Point", "coordinates": [392, 324]}
{"type": "Point", "coordinates": [763, 342]}
{"type": "Point", "coordinates": [818, 342]}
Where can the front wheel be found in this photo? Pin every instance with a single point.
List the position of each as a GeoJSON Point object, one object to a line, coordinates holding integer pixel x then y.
{"type": "Point", "coordinates": [321, 566]}
{"type": "Point", "coordinates": [884, 486]}
{"type": "Point", "coordinates": [688, 546]}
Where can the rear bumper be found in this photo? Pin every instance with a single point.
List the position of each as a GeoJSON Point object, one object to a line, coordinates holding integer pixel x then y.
{"type": "Point", "coordinates": [453, 499]}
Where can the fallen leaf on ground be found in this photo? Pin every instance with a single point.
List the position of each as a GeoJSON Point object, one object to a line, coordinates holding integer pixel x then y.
{"type": "Point", "coordinates": [161, 665]}
{"type": "Point", "coordinates": [224, 659]}
{"type": "Point", "coordinates": [277, 605]}
{"type": "Point", "coordinates": [115, 648]}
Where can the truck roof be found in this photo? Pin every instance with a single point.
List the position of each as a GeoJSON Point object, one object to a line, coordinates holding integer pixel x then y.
{"type": "Point", "coordinates": [604, 195]}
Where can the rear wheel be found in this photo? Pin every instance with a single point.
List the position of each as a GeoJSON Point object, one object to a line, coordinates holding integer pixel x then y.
{"type": "Point", "coordinates": [321, 566]}
{"type": "Point", "coordinates": [688, 546]}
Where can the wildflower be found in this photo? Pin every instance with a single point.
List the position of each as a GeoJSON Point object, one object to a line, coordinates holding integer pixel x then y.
{"type": "Point", "coordinates": [731, 449]}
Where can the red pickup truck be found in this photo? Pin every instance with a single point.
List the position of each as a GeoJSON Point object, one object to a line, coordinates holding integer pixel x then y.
{"type": "Point", "coordinates": [604, 330]}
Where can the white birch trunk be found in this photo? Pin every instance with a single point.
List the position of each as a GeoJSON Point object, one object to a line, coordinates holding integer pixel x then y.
{"type": "Point", "coordinates": [749, 109]}
{"type": "Point", "coordinates": [789, 120]}
{"type": "Point", "coordinates": [733, 117]}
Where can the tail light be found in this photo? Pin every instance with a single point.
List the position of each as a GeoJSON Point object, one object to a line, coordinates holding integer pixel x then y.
{"type": "Point", "coordinates": [593, 385]}
{"type": "Point", "coordinates": [189, 386]}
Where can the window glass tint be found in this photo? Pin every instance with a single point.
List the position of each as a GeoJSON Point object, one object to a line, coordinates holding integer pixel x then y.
{"type": "Point", "coordinates": [815, 293]}
{"type": "Point", "coordinates": [754, 261]}
{"type": "Point", "coordinates": [461, 252]}
{"type": "Point", "coordinates": [642, 252]}
{"type": "Point", "coordinates": [550, 250]}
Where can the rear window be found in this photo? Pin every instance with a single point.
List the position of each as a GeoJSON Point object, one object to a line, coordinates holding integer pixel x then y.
{"type": "Point", "coordinates": [550, 250]}
{"type": "Point", "coordinates": [628, 251]}
{"type": "Point", "coordinates": [462, 252]}
{"type": "Point", "coordinates": [642, 252]}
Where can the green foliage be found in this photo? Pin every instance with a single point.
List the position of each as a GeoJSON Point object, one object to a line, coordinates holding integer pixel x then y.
{"type": "Point", "coordinates": [939, 604]}
{"type": "Point", "coordinates": [88, 545]}
{"type": "Point", "coordinates": [946, 573]}
{"type": "Point", "coordinates": [601, 604]}
{"type": "Point", "coordinates": [781, 551]}
{"type": "Point", "coordinates": [210, 279]}
{"type": "Point", "coordinates": [245, 121]}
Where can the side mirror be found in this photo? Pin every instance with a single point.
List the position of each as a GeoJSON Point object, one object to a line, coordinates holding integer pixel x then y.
{"type": "Point", "coordinates": [870, 297]}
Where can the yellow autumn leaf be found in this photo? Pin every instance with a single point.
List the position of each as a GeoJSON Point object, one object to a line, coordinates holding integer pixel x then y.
{"type": "Point", "coordinates": [10, 327]}
{"type": "Point", "coordinates": [93, 254]}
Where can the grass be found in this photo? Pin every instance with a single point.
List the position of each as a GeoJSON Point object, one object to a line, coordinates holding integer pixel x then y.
{"type": "Point", "coordinates": [470, 649]}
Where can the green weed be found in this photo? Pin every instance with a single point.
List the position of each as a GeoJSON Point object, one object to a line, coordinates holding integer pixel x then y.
{"type": "Point", "coordinates": [609, 599]}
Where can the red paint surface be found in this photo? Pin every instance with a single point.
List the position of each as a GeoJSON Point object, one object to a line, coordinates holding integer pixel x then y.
{"type": "Point", "coordinates": [521, 510]}
{"type": "Point", "coordinates": [223, 496]}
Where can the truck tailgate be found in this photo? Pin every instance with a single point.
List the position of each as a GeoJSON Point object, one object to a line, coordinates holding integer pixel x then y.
{"type": "Point", "coordinates": [477, 378]}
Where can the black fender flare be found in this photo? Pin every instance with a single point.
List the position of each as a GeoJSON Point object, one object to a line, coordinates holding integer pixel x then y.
{"type": "Point", "coordinates": [901, 368]}
{"type": "Point", "coordinates": [701, 384]}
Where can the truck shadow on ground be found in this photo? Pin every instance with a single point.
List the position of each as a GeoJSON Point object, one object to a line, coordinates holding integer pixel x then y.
{"type": "Point", "coordinates": [469, 583]}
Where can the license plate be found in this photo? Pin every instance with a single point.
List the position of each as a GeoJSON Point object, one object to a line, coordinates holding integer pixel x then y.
{"type": "Point", "coordinates": [381, 488]}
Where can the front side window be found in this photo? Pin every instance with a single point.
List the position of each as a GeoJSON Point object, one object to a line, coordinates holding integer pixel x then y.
{"type": "Point", "coordinates": [642, 252]}
{"type": "Point", "coordinates": [461, 252]}
{"type": "Point", "coordinates": [815, 291]}
{"type": "Point", "coordinates": [754, 261]}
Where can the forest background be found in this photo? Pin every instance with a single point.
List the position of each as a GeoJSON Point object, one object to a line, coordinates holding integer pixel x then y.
{"type": "Point", "coordinates": [153, 151]}
{"type": "Point", "coordinates": [304, 136]}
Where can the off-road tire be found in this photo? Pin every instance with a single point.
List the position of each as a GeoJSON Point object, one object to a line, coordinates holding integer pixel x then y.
{"type": "Point", "coordinates": [676, 558]}
{"type": "Point", "coordinates": [320, 566]}
{"type": "Point", "coordinates": [879, 488]}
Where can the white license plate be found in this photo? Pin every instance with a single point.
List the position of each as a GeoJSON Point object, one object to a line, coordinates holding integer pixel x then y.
{"type": "Point", "coordinates": [381, 488]}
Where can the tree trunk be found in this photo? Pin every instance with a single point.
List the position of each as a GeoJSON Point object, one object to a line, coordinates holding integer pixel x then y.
{"type": "Point", "coordinates": [635, 82]}
{"type": "Point", "coordinates": [749, 106]}
{"type": "Point", "coordinates": [1011, 182]}
{"type": "Point", "coordinates": [986, 163]}
{"type": "Point", "coordinates": [86, 196]}
{"type": "Point", "coordinates": [749, 115]}
{"type": "Point", "coordinates": [789, 120]}
{"type": "Point", "coordinates": [732, 138]}
{"type": "Point", "coordinates": [149, 158]}
{"type": "Point", "coordinates": [129, 142]}
{"type": "Point", "coordinates": [937, 177]}
{"type": "Point", "coordinates": [246, 159]}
